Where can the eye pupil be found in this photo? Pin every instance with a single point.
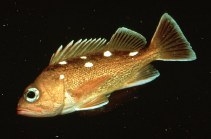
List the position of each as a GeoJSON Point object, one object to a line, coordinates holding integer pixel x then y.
{"type": "Point", "coordinates": [30, 94]}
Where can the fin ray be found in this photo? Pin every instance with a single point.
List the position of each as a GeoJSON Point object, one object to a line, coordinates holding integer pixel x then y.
{"type": "Point", "coordinates": [126, 40]}
{"type": "Point", "coordinates": [81, 47]}
{"type": "Point", "coordinates": [171, 43]}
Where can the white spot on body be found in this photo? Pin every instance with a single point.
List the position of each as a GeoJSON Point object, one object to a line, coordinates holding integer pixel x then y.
{"type": "Point", "coordinates": [107, 53]}
{"type": "Point", "coordinates": [88, 64]}
{"type": "Point", "coordinates": [83, 57]}
{"type": "Point", "coordinates": [61, 77]}
{"type": "Point", "coordinates": [133, 53]}
{"type": "Point", "coordinates": [63, 62]}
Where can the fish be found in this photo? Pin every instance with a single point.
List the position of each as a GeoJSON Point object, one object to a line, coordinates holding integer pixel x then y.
{"type": "Point", "coordinates": [83, 75]}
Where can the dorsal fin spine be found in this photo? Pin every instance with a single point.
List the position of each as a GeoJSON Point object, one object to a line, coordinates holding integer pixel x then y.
{"type": "Point", "coordinates": [101, 41]}
{"type": "Point", "coordinates": [75, 46]}
{"type": "Point", "coordinates": [55, 55]}
{"type": "Point", "coordinates": [87, 43]}
{"type": "Point", "coordinates": [64, 52]}
{"type": "Point", "coordinates": [67, 47]}
{"type": "Point", "coordinates": [58, 50]}
{"type": "Point", "coordinates": [80, 48]}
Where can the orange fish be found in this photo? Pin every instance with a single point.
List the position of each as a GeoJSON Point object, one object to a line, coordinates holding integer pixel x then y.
{"type": "Point", "coordinates": [84, 74]}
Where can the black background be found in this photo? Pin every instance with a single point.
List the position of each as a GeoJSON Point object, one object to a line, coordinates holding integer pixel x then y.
{"type": "Point", "coordinates": [176, 105]}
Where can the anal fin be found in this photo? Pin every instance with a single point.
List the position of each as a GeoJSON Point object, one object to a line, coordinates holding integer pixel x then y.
{"type": "Point", "coordinates": [146, 74]}
{"type": "Point", "coordinates": [94, 104]}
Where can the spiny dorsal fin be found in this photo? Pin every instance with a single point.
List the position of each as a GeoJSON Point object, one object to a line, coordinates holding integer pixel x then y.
{"type": "Point", "coordinates": [146, 74]}
{"type": "Point", "coordinates": [126, 40]}
{"type": "Point", "coordinates": [80, 48]}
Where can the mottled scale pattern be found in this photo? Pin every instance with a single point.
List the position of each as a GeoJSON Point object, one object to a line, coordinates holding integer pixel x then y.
{"type": "Point", "coordinates": [76, 73]}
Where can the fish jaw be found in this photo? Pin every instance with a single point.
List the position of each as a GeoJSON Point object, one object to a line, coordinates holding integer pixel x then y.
{"type": "Point", "coordinates": [26, 112]}
{"type": "Point", "coordinates": [34, 113]}
{"type": "Point", "coordinates": [29, 112]}
{"type": "Point", "coordinates": [33, 110]}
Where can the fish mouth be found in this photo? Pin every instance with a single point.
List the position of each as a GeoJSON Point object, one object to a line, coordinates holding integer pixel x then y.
{"type": "Point", "coordinates": [23, 111]}
{"type": "Point", "coordinates": [26, 112]}
{"type": "Point", "coordinates": [31, 113]}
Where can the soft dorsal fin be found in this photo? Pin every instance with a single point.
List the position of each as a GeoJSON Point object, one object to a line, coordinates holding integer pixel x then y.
{"type": "Point", "coordinates": [80, 48]}
{"type": "Point", "coordinates": [126, 40]}
{"type": "Point", "coordinates": [146, 74]}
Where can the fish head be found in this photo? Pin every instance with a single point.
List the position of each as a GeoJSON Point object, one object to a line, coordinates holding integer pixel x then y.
{"type": "Point", "coordinates": [43, 98]}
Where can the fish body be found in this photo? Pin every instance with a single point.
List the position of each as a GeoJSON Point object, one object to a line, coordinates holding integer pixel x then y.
{"type": "Point", "coordinates": [84, 74]}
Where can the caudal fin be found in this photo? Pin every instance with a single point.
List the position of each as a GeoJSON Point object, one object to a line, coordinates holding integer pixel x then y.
{"type": "Point", "coordinates": [171, 42]}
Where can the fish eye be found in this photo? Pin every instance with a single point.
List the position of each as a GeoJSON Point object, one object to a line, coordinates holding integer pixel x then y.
{"type": "Point", "coordinates": [31, 95]}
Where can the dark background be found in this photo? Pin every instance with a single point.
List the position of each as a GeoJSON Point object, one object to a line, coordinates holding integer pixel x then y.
{"type": "Point", "coordinates": [176, 105]}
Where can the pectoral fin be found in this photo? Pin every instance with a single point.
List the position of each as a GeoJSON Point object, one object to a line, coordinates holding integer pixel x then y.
{"type": "Point", "coordinates": [94, 104]}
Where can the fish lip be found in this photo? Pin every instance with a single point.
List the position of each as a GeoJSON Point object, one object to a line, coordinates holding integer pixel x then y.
{"type": "Point", "coordinates": [20, 111]}
{"type": "Point", "coordinates": [25, 112]}
{"type": "Point", "coordinates": [29, 113]}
